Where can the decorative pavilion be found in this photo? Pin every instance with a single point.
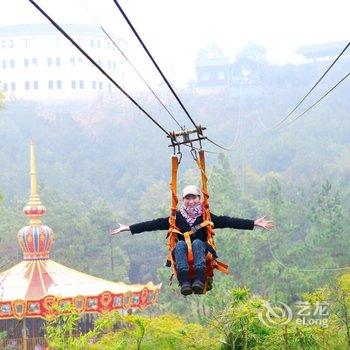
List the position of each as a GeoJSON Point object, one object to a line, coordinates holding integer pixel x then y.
{"type": "Point", "coordinates": [29, 289]}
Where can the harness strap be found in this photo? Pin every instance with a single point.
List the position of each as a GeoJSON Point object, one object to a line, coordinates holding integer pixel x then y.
{"type": "Point", "coordinates": [172, 218]}
{"type": "Point", "coordinates": [212, 262]}
{"type": "Point", "coordinates": [219, 265]}
{"type": "Point", "coordinates": [205, 202]}
{"type": "Point", "coordinates": [187, 236]}
{"type": "Point", "coordinates": [189, 246]}
{"type": "Point", "coordinates": [194, 229]}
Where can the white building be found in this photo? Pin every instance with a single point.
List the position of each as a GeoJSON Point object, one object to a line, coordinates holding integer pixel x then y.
{"type": "Point", "coordinates": [38, 63]}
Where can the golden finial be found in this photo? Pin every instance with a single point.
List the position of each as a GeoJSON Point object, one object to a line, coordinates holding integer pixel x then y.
{"type": "Point", "coordinates": [34, 209]}
{"type": "Point", "coordinates": [34, 197]}
{"type": "Point", "coordinates": [35, 239]}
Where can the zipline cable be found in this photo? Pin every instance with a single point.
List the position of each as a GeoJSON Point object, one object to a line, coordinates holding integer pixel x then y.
{"type": "Point", "coordinates": [198, 149]}
{"type": "Point", "coordinates": [160, 71]}
{"type": "Point", "coordinates": [314, 104]}
{"type": "Point", "coordinates": [318, 81]}
{"type": "Point", "coordinates": [141, 77]}
{"type": "Point", "coordinates": [131, 64]}
{"type": "Point", "coordinates": [217, 145]}
{"type": "Point", "coordinates": [302, 270]}
{"type": "Point", "coordinates": [153, 61]}
{"type": "Point", "coordinates": [64, 33]}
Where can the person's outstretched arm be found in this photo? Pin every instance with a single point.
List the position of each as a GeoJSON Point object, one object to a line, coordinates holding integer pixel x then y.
{"type": "Point", "coordinates": [152, 225]}
{"type": "Point", "coordinates": [241, 224]}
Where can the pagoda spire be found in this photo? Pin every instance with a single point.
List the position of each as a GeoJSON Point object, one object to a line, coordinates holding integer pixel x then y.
{"type": "Point", "coordinates": [34, 209]}
{"type": "Point", "coordinates": [34, 196]}
{"type": "Point", "coordinates": [35, 239]}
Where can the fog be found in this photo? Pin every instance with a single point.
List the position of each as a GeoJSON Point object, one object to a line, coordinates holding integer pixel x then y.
{"type": "Point", "coordinates": [174, 31]}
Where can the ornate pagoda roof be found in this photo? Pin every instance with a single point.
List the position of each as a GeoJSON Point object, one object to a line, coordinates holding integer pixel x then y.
{"type": "Point", "coordinates": [32, 287]}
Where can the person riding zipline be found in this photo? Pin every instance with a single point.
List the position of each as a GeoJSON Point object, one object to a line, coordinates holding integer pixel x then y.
{"type": "Point", "coordinates": [189, 217]}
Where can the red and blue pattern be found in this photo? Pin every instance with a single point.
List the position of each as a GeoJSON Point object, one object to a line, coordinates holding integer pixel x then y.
{"type": "Point", "coordinates": [35, 241]}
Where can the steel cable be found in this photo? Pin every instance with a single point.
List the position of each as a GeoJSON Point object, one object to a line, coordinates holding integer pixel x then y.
{"type": "Point", "coordinates": [314, 86]}
{"type": "Point", "coordinates": [130, 63]}
{"type": "Point", "coordinates": [68, 37]}
{"type": "Point", "coordinates": [314, 104]}
{"type": "Point", "coordinates": [153, 61]}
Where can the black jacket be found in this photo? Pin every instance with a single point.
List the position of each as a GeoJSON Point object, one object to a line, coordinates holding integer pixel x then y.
{"type": "Point", "coordinates": [181, 223]}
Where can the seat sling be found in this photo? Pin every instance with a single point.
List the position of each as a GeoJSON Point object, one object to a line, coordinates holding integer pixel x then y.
{"type": "Point", "coordinates": [211, 258]}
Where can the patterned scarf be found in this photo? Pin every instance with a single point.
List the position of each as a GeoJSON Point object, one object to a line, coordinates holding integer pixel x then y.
{"type": "Point", "coordinates": [191, 213]}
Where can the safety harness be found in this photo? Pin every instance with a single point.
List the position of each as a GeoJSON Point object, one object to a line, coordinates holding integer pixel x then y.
{"type": "Point", "coordinates": [173, 232]}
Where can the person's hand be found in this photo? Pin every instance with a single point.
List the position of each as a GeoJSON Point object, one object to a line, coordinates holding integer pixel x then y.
{"type": "Point", "coordinates": [120, 229]}
{"type": "Point", "coordinates": [263, 223]}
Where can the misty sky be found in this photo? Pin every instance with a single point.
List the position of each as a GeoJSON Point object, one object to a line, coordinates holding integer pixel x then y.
{"type": "Point", "coordinates": [176, 30]}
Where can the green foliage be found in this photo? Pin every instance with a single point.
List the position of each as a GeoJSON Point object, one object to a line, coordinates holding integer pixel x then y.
{"type": "Point", "coordinates": [236, 326]}
{"type": "Point", "coordinates": [239, 322]}
{"type": "Point", "coordinates": [292, 337]}
{"type": "Point", "coordinates": [3, 335]}
{"type": "Point", "coordinates": [113, 331]}
{"type": "Point", "coordinates": [224, 188]}
{"type": "Point", "coordinates": [103, 173]}
{"type": "Point", "coordinates": [3, 338]}
{"type": "Point", "coordinates": [59, 330]}
{"type": "Point", "coordinates": [340, 305]}
{"type": "Point", "coordinates": [243, 329]}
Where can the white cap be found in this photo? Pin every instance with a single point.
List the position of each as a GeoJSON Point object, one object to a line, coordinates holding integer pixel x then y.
{"type": "Point", "coordinates": [191, 189]}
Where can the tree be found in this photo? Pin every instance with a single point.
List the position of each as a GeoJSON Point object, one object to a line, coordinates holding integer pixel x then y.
{"type": "Point", "coordinates": [209, 52]}
{"type": "Point", "coordinates": [340, 296]}
{"type": "Point", "coordinates": [253, 52]}
{"type": "Point", "coordinates": [113, 331]}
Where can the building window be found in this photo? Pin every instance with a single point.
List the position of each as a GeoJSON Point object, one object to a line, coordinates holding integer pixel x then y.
{"type": "Point", "coordinates": [98, 43]}
{"type": "Point", "coordinates": [109, 64]}
{"type": "Point", "coordinates": [34, 62]}
{"type": "Point", "coordinates": [58, 61]}
{"type": "Point", "coordinates": [50, 85]}
{"type": "Point", "coordinates": [4, 64]}
{"type": "Point", "coordinates": [35, 85]}
{"type": "Point", "coordinates": [13, 86]}
{"type": "Point", "coordinates": [59, 84]}
{"type": "Point", "coordinates": [94, 85]}
{"type": "Point", "coordinates": [92, 43]}
{"type": "Point", "coordinates": [11, 44]}
{"type": "Point", "coordinates": [3, 44]}
{"type": "Point", "coordinates": [73, 84]}
{"type": "Point", "coordinates": [81, 84]}
{"type": "Point", "coordinates": [114, 65]}
{"type": "Point", "coordinates": [4, 86]}
{"type": "Point", "coordinates": [27, 85]}
{"type": "Point", "coordinates": [221, 76]}
{"type": "Point", "coordinates": [12, 63]}
{"type": "Point", "coordinates": [25, 43]}
{"type": "Point", "coordinates": [100, 85]}
{"type": "Point", "coordinates": [72, 61]}
{"type": "Point", "coordinates": [205, 76]}
{"type": "Point", "coordinates": [26, 62]}
{"type": "Point", "coordinates": [49, 61]}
